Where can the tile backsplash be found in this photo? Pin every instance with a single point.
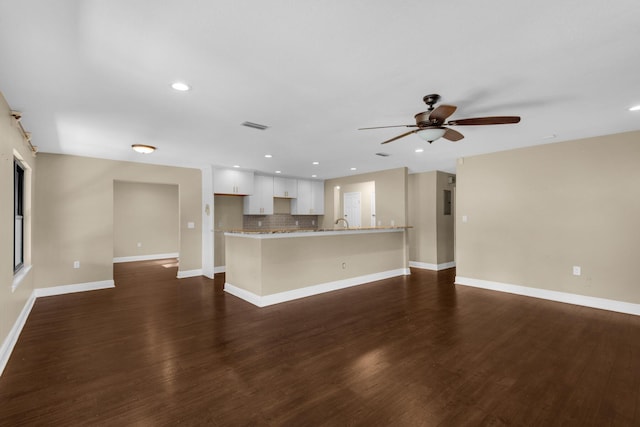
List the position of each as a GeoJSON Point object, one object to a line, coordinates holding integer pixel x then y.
{"type": "Point", "coordinates": [279, 222]}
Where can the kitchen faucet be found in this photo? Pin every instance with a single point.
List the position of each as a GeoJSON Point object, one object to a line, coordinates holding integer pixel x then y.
{"type": "Point", "coordinates": [346, 223]}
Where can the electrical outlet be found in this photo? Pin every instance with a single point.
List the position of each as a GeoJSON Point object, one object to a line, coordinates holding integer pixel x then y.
{"type": "Point", "coordinates": [76, 264]}
{"type": "Point", "coordinates": [259, 223]}
{"type": "Point", "coordinates": [139, 244]}
{"type": "Point", "coordinates": [577, 270]}
{"type": "Point", "coordinates": [313, 222]}
{"type": "Point", "coordinates": [296, 222]}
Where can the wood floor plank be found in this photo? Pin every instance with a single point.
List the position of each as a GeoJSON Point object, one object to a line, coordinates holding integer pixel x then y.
{"type": "Point", "coordinates": [414, 351]}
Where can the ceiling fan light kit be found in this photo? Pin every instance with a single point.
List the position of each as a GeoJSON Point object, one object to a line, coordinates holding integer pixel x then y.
{"type": "Point", "coordinates": [431, 134]}
{"type": "Point", "coordinates": [432, 123]}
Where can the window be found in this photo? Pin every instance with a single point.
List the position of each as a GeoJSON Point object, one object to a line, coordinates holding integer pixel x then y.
{"type": "Point", "coordinates": [18, 210]}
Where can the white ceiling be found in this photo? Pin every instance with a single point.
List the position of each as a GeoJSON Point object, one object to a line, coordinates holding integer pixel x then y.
{"type": "Point", "coordinates": [93, 77]}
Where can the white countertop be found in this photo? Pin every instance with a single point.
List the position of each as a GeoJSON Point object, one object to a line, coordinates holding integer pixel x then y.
{"type": "Point", "coordinates": [284, 234]}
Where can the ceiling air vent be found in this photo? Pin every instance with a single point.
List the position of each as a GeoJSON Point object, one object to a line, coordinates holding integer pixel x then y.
{"type": "Point", "coordinates": [383, 154]}
{"type": "Point", "coordinates": [254, 125]}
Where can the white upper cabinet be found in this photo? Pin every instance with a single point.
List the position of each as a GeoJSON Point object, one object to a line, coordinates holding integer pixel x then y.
{"type": "Point", "coordinates": [261, 201]}
{"type": "Point", "coordinates": [285, 187]}
{"type": "Point", "coordinates": [310, 200]}
{"type": "Point", "coordinates": [317, 197]}
{"type": "Point", "coordinates": [230, 181]}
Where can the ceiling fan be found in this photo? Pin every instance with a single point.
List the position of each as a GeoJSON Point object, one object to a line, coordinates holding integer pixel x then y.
{"type": "Point", "coordinates": [431, 124]}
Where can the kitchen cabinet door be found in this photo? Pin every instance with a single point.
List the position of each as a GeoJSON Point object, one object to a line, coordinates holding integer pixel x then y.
{"type": "Point", "coordinates": [310, 200]}
{"type": "Point", "coordinates": [230, 181]}
{"type": "Point", "coordinates": [261, 201]}
{"type": "Point", "coordinates": [285, 187]}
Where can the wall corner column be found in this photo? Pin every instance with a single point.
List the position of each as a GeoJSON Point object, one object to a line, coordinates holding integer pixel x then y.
{"type": "Point", "coordinates": [207, 222]}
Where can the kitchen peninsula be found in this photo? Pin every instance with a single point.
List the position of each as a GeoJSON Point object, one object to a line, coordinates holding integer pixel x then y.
{"type": "Point", "coordinates": [266, 268]}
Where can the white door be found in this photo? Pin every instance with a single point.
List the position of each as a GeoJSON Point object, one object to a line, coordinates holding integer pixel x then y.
{"type": "Point", "coordinates": [352, 209]}
{"type": "Point", "coordinates": [373, 208]}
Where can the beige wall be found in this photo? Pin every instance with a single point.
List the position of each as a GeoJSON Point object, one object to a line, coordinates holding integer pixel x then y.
{"type": "Point", "coordinates": [391, 196]}
{"type": "Point", "coordinates": [533, 213]}
{"type": "Point", "coordinates": [147, 214]}
{"type": "Point", "coordinates": [12, 302]}
{"type": "Point", "coordinates": [75, 200]}
{"type": "Point", "coordinates": [228, 216]}
{"type": "Point", "coordinates": [272, 265]}
{"type": "Point", "coordinates": [431, 240]}
{"type": "Point", "coordinates": [422, 217]}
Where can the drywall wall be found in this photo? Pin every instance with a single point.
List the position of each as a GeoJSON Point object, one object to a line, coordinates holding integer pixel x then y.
{"type": "Point", "coordinates": [75, 198]}
{"type": "Point", "coordinates": [145, 219]}
{"type": "Point", "coordinates": [422, 218]}
{"type": "Point", "coordinates": [534, 213]}
{"type": "Point", "coordinates": [228, 216]}
{"type": "Point", "coordinates": [391, 196]}
{"type": "Point", "coordinates": [12, 301]}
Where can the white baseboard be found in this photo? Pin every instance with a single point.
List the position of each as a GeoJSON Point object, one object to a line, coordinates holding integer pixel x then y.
{"type": "Point", "coordinates": [221, 269]}
{"type": "Point", "coordinates": [69, 289]}
{"type": "Point", "coordinates": [583, 300]}
{"type": "Point", "coordinates": [183, 274]}
{"type": "Point", "coordinates": [145, 257]}
{"type": "Point", "coordinates": [263, 301]}
{"type": "Point", "coordinates": [434, 267]}
{"type": "Point", "coordinates": [12, 338]}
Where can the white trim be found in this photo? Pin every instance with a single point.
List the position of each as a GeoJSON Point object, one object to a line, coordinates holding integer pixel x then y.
{"type": "Point", "coordinates": [78, 287]}
{"type": "Point", "coordinates": [145, 257]}
{"type": "Point", "coordinates": [183, 274]}
{"type": "Point", "coordinates": [312, 233]}
{"type": "Point", "coordinates": [245, 295]}
{"type": "Point", "coordinates": [220, 269]}
{"type": "Point", "coordinates": [434, 267]}
{"type": "Point", "coordinates": [565, 297]}
{"type": "Point", "coordinates": [19, 276]}
{"type": "Point", "coordinates": [263, 301]}
{"type": "Point", "coordinates": [12, 338]}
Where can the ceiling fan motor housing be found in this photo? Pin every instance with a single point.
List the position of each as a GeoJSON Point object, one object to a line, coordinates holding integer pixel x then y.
{"type": "Point", "coordinates": [422, 119]}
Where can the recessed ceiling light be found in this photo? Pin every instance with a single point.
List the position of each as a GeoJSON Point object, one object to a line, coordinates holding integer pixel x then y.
{"type": "Point", "coordinates": [550, 136]}
{"type": "Point", "coordinates": [314, 176]}
{"type": "Point", "coordinates": [278, 171]}
{"type": "Point", "coordinates": [419, 150]}
{"type": "Point", "coordinates": [236, 166]}
{"type": "Point", "coordinates": [143, 149]}
{"type": "Point", "coordinates": [353, 169]}
{"type": "Point", "coordinates": [268, 156]}
{"type": "Point", "coordinates": [316, 163]}
{"type": "Point", "coordinates": [635, 108]}
{"type": "Point", "coordinates": [181, 87]}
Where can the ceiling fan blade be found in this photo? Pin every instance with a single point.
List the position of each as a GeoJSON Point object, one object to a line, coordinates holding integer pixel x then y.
{"type": "Point", "coordinates": [399, 136]}
{"type": "Point", "coordinates": [441, 113]}
{"type": "Point", "coordinates": [393, 126]}
{"type": "Point", "coordinates": [452, 135]}
{"type": "Point", "coordinates": [495, 120]}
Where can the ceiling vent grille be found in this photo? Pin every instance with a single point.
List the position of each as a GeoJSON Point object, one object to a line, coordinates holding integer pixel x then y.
{"type": "Point", "coordinates": [383, 154]}
{"type": "Point", "coordinates": [254, 125]}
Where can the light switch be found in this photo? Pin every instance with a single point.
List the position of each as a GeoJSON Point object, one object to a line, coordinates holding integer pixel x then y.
{"type": "Point", "coordinates": [464, 218]}
{"type": "Point", "coordinates": [191, 225]}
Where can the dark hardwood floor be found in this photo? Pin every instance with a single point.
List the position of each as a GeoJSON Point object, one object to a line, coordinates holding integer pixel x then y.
{"type": "Point", "coordinates": [409, 351]}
